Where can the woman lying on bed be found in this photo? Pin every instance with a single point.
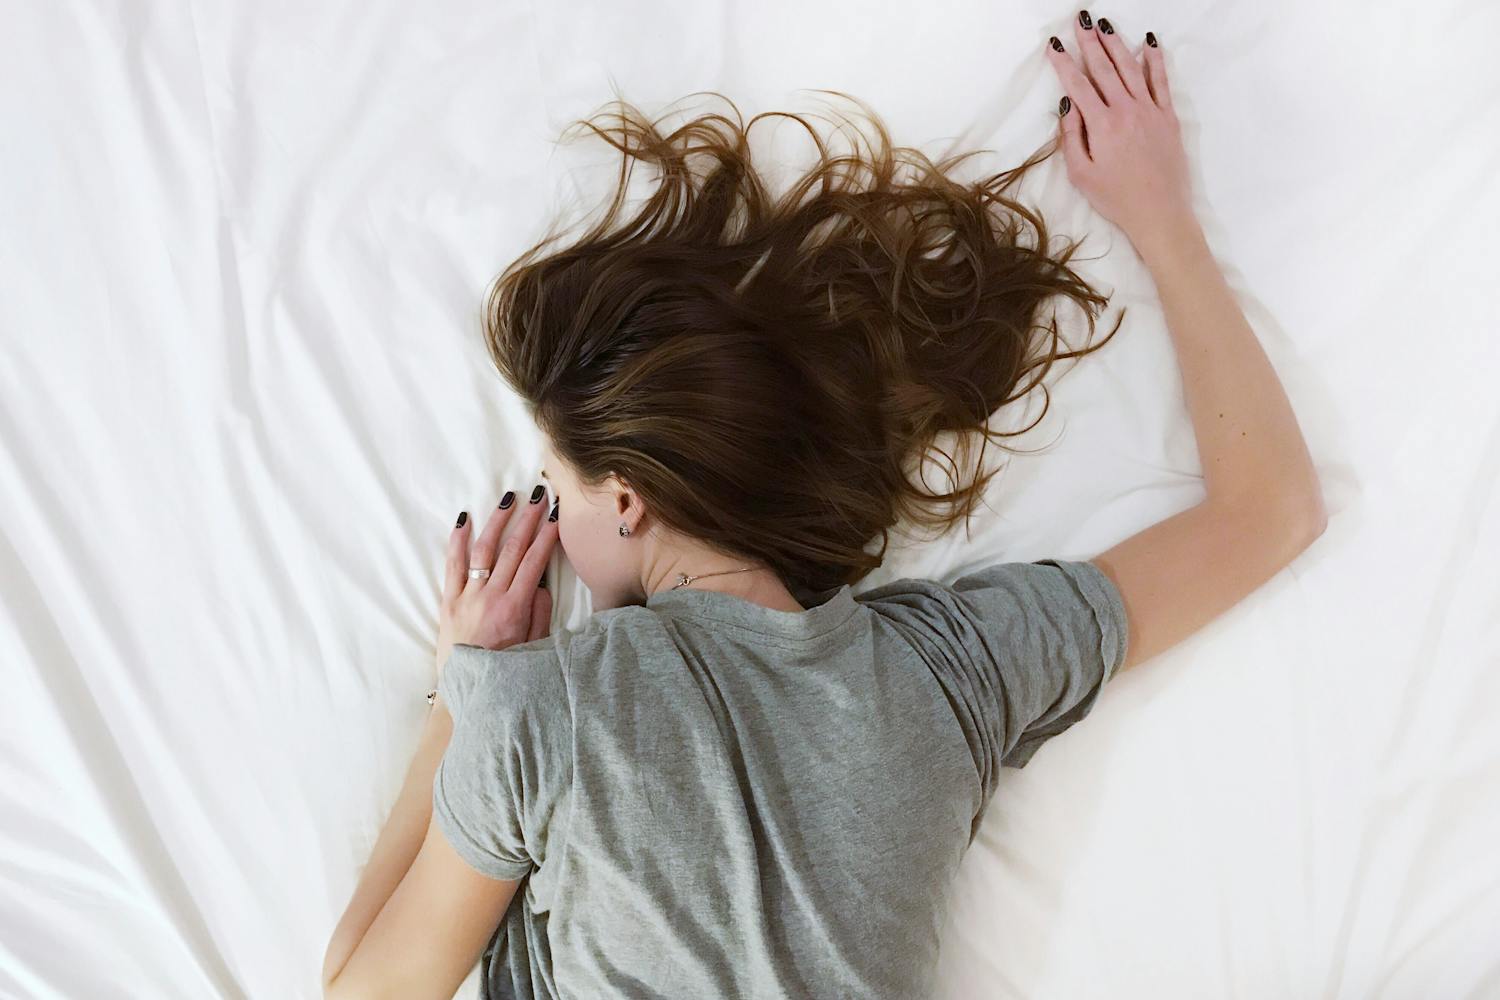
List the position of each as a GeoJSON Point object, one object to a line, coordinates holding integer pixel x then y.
{"type": "Point", "coordinates": [739, 779]}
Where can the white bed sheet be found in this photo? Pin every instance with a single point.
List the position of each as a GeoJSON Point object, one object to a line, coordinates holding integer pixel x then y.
{"type": "Point", "coordinates": [242, 398]}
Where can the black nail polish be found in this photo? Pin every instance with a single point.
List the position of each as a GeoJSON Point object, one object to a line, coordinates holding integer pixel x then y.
{"type": "Point", "coordinates": [508, 499]}
{"type": "Point", "coordinates": [1105, 26]}
{"type": "Point", "coordinates": [553, 516]}
{"type": "Point", "coordinates": [463, 516]}
{"type": "Point", "coordinates": [1150, 39]}
{"type": "Point", "coordinates": [1064, 105]}
{"type": "Point", "coordinates": [1085, 20]}
{"type": "Point", "coordinates": [538, 493]}
{"type": "Point", "coordinates": [1055, 43]}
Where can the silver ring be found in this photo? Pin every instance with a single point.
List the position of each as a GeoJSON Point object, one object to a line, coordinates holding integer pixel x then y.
{"type": "Point", "coordinates": [475, 573]}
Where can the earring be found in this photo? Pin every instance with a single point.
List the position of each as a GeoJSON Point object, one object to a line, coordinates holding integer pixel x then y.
{"type": "Point", "coordinates": [624, 529]}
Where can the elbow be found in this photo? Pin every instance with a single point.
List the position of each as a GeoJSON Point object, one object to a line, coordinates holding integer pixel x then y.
{"type": "Point", "coordinates": [1315, 514]}
{"type": "Point", "coordinates": [1290, 521]}
{"type": "Point", "coordinates": [331, 969]}
{"type": "Point", "coordinates": [333, 990]}
{"type": "Point", "coordinates": [337, 986]}
{"type": "Point", "coordinates": [1308, 518]}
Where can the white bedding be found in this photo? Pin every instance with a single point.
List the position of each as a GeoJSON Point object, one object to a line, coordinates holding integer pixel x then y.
{"type": "Point", "coordinates": [242, 399]}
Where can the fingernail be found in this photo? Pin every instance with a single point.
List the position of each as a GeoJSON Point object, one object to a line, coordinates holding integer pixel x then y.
{"type": "Point", "coordinates": [1150, 39]}
{"type": "Point", "coordinates": [508, 499]}
{"type": "Point", "coordinates": [463, 516]}
{"type": "Point", "coordinates": [1055, 43]}
{"type": "Point", "coordinates": [1085, 20]}
{"type": "Point", "coordinates": [553, 516]}
{"type": "Point", "coordinates": [1105, 26]}
{"type": "Point", "coordinates": [536, 494]}
{"type": "Point", "coordinates": [1063, 105]}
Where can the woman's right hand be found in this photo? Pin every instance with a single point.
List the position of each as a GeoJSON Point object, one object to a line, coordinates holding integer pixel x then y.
{"type": "Point", "coordinates": [1120, 134]}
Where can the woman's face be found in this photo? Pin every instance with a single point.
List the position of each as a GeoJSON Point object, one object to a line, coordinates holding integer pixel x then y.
{"type": "Point", "coordinates": [588, 522]}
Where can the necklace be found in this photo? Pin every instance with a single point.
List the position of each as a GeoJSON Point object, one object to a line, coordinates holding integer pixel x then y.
{"type": "Point", "coordinates": [683, 579]}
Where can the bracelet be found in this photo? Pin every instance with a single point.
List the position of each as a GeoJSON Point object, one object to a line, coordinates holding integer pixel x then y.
{"type": "Point", "coordinates": [432, 697]}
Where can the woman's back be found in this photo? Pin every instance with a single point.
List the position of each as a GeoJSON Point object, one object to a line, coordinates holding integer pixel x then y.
{"type": "Point", "coordinates": [714, 798]}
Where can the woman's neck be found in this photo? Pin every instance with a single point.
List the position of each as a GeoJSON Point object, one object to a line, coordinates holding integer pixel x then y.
{"type": "Point", "coordinates": [759, 585]}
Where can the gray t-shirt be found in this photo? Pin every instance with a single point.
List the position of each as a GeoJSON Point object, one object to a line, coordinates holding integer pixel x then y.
{"type": "Point", "coordinates": [712, 798]}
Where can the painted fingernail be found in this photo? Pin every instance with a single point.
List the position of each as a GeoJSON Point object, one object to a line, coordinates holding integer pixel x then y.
{"type": "Point", "coordinates": [508, 499]}
{"type": "Point", "coordinates": [463, 516]}
{"type": "Point", "coordinates": [553, 516]}
{"type": "Point", "coordinates": [1105, 26]}
{"type": "Point", "coordinates": [1150, 39]}
{"type": "Point", "coordinates": [1055, 43]}
{"type": "Point", "coordinates": [1064, 105]}
{"type": "Point", "coordinates": [536, 494]}
{"type": "Point", "coordinates": [1085, 20]}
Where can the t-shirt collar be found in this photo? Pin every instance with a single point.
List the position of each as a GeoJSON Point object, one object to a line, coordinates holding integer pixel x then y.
{"type": "Point", "coordinates": [831, 608]}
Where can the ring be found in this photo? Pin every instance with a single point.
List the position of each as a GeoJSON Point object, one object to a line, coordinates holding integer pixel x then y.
{"type": "Point", "coordinates": [475, 573]}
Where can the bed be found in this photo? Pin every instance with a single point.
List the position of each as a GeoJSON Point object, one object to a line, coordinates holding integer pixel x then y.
{"type": "Point", "coordinates": [243, 397]}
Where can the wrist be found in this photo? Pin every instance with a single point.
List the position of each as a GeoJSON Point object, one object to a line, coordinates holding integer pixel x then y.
{"type": "Point", "coordinates": [1169, 239]}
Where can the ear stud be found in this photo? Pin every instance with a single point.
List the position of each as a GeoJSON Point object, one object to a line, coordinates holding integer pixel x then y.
{"type": "Point", "coordinates": [624, 529]}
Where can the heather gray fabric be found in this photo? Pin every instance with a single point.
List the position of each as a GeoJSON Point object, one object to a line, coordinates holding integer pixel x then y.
{"type": "Point", "coordinates": [715, 799]}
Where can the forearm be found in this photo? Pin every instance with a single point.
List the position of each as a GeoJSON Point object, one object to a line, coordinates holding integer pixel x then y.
{"type": "Point", "coordinates": [1249, 442]}
{"type": "Point", "coordinates": [397, 845]}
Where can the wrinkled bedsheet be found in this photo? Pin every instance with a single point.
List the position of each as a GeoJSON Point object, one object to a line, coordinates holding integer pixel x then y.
{"type": "Point", "coordinates": [243, 397]}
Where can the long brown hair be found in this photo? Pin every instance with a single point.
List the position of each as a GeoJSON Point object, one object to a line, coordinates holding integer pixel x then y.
{"type": "Point", "coordinates": [765, 371]}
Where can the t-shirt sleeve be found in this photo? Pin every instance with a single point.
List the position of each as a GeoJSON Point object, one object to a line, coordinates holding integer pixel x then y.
{"type": "Point", "coordinates": [1022, 649]}
{"type": "Point", "coordinates": [508, 762]}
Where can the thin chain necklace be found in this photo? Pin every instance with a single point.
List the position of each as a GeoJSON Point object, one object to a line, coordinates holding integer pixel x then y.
{"type": "Point", "coordinates": [683, 579]}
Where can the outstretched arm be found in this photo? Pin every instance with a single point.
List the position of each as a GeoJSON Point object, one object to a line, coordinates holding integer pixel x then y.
{"type": "Point", "coordinates": [1124, 151]}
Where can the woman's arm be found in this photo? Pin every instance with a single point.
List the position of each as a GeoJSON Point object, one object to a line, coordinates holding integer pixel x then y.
{"type": "Point", "coordinates": [1263, 506]}
{"type": "Point", "coordinates": [397, 846]}
{"type": "Point", "coordinates": [1123, 146]}
{"type": "Point", "coordinates": [421, 916]}
{"type": "Point", "coordinates": [1248, 440]}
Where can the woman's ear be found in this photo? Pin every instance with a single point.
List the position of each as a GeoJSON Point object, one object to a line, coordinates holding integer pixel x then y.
{"type": "Point", "coordinates": [629, 506]}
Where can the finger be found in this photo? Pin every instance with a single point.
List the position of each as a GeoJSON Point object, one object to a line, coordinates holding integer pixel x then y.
{"type": "Point", "coordinates": [489, 539]}
{"type": "Point", "coordinates": [534, 563]}
{"type": "Point", "coordinates": [541, 615]}
{"type": "Point", "coordinates": [1156, 73]}
{"type": "Point", "coordinates": [1100, 70]}
{"type": "Point", "coordinates": [1074, 151]}
{"type": "Point", "coordinates": [456, 569]}
{"type": "Point", "coordinates": [516, 544]}
{"type": "Point", "coordinates": [1126, 65]}
{"type": "Point", "coordinates": [1084, 97]}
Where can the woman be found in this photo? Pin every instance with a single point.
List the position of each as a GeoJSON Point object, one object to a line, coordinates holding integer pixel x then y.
{"type": "Point", "coordinates": [738, 778]}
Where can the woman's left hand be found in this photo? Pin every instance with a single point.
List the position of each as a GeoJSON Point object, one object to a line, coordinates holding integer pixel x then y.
{"type": "Point", "coordinates": [509, 606]}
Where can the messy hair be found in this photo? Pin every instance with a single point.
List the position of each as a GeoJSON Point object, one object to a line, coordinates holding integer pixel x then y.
{"type": "Point", "coordinates": [769, 372]}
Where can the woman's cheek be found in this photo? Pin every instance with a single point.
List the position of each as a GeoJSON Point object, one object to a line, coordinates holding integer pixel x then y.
{"type": "Point", "coordinates": [573, 536]}
{"type": "Point", "coordinates": [578, 549]}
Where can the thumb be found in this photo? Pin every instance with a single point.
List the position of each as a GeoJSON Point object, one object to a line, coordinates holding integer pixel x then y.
{"type": "Point", "coordinates": [1070, 120]}
{"type": "Point", "coordinates": [541, 614]}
